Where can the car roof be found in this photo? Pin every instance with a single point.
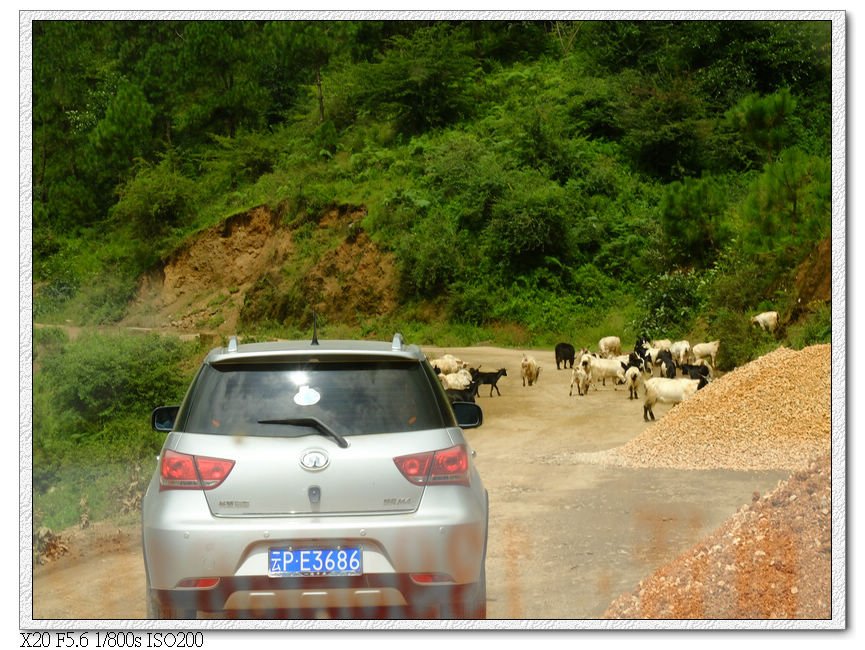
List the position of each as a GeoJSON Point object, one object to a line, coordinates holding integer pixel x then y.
{"type": "Point", "coordinates": [306, 349]}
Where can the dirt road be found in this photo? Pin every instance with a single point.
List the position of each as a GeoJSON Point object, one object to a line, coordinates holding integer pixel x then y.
{"type": "Point", "coordinates": [565, 538]}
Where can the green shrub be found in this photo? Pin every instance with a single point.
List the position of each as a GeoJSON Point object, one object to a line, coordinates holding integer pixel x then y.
{"type": "Point", "coordinates": [48, 341]}
{"type": "Point", "coordinates": [100, 377]}
{"type": "Point", "coordinates": [432, 256]}
{"type": "Point", "coordinates": [670, 303]}
{"type": "Point", "coordinates": [740, 342]}
{"type": "Point", "coordinates": [527, 224]}
{"type": "Point", "coordinates": [741, 280]}
{"type": "Point", "coordinates": [92, 399]}
{"type": "Point", "coordinates": [813, 329]}
{"type": "Point", "coordinates": [474, 303]}
{"type": "Point", "coordinates": [789, 204]}
{"type": "Point", "coordinates": [310, 202]}
{"type": "Point", "coordinates": [157, 199]}
{"type": "Point", "coordinates": [592, 288]}
{"type": "Point", "coordinates": [265, 304]}
{"type": "Point", "coordinates": [691, 216]}
{"type": "Point", "coordinates": [100, 486]}
{"type": "Point", "coordinates": [105, 302]}
{"type": "Point", "coordinates": [421, 82]}
{"type": "Point", "coordinates": [398, 212]}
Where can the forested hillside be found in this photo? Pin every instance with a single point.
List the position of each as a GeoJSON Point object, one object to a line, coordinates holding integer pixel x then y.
{"type": "Point", "coordinates": [512, 182]}
{"type": "Point", "coordinates": [659, 176]}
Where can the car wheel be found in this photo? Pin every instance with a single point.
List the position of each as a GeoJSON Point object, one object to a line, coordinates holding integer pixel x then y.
{"type": "Point", "coordinates": [477, 608]}
{"type": "Point", "coordinates": [472, 608]}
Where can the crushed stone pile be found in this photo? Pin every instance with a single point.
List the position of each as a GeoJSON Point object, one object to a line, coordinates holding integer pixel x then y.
{"type": "Point", "coordinates": [771, 560]}
{"type": "Point", "coordinates": [772, 413]}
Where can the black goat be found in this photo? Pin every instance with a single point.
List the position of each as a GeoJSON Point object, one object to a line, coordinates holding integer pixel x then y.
{"type": "Point", "coordinates": [491, 378]}
{"type": "Point", "coordinates": [694, 371]}
{"type": "Point", "coordinates": [641, 347]}
{"type": "Point", "coordinates": [665, 360]}
{"type": "Point", "coordinates": [565, 354]}
{"type": "Point", "coordinates": [635, 360]}
{"type": "Point", "coordinates": [463, 395]}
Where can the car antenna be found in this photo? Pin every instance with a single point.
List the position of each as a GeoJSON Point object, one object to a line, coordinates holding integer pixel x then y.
{"type": "Point", "coordinates": [314, 329]}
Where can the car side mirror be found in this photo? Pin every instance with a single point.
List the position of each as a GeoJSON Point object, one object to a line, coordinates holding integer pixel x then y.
{"type": "Point", "coordinates": [469, 415]}
{"type": "Point", "coordinates": [163, 417]}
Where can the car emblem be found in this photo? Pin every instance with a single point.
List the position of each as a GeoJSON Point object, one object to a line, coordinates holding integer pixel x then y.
{"type": "Point", "coordinates": [314, 460]}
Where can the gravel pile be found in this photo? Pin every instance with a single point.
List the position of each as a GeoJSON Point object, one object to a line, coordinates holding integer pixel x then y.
{"type": "Point", "coordinates": [771, 560]}
{"type": "Point", "coordinates": [773, 413]}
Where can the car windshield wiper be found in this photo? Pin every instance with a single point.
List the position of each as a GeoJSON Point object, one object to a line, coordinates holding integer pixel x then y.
{"type": "Point", "coordinates": [315, 423]}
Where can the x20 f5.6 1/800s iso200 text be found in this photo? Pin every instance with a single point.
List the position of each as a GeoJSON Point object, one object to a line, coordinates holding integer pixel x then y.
{"type": "Point", "coordinates": [112, 639]}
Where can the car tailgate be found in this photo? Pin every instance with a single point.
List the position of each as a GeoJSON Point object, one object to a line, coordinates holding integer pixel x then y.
{"type": "Point", "coordinates": [276, 476]}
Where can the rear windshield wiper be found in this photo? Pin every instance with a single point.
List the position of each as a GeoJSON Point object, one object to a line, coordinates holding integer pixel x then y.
{"type": "Point", "coordinates": [315, 423]}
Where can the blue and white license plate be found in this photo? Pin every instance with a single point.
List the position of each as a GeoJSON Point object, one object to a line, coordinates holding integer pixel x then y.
{"type": "Point", "coordinates": [293, 562]}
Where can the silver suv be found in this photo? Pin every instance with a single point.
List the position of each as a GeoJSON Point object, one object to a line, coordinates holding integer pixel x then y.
{"type": "Point", "coordinates": [305, 479]}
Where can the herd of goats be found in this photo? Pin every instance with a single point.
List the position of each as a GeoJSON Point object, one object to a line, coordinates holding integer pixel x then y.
{"type": "Point", "coordinates": [683, 368]}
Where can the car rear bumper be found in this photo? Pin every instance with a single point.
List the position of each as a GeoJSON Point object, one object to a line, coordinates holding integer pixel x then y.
{"type": "Point", "coordinates": [446, 536]}
{"type": "Point", "coordinates": [369, 596]}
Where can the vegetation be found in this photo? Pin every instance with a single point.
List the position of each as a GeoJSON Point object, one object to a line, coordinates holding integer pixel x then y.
{"type": "Point", "coordinates": [535, 180]}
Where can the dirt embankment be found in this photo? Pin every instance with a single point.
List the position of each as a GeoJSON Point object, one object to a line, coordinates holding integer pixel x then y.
{"type": "Point", "coordinates": [250, 264]}
{"type": "Point", "coordinates": [255, 266]}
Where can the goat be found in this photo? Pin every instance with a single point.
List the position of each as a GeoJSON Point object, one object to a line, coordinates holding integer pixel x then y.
{"type": "Point", "coordinates": [597, 368]}
{"type": "Point", "coordinates": [768, 321]}
{"type": "Point", "coordinates": [609, 346]}
{"type": "Point", "coordinates": [491, 378]}
{"type": "Point", "coordinates": [530, 370]}
{"type": "Point", "coordinates": [706, 351]}
{"type": "Point", "coordinates": [633, 377]}
{"type": "Point", "coordinates": [565, 354]}
{"type": "Point", "coordinates": [681, 351]}
{"type": "Point", "coordinates": [671, 391]}
{"type": "Point", "coordinates": [462, 395]}
{"type": "Point", "coordinates": [580, 378]}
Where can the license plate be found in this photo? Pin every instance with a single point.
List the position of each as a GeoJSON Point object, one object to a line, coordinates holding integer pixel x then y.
{"type": "Point", "coordinates": [292, 562]}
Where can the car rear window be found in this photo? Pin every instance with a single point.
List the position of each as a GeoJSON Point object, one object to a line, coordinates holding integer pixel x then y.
{"type": "Point", "coordinates": [350, 398]}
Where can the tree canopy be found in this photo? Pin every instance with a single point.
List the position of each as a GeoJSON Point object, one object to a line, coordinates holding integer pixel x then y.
{"type": "Point", "coordinates": [485, 152]}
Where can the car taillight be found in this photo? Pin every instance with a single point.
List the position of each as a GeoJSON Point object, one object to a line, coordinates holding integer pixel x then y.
{"type": "Point", "coordinates": [198, 583]}
{"type": "Point", "coordinates": [430, 578]}
{"type": "Point", "coordinates": [186, 472]}
{"type": "Point", "coordinates": [443, 467]}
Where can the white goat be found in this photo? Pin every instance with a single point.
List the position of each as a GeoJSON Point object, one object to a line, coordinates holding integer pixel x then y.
{"type": "Point", "coordinates": [609, 346]}
{"type": "Point", "coordinates": [670, 391]}
{"type": "Point", "coordinates": [652, 352]}
{"type": "Point", "coordinates": [459, 380]}
{"type": "Point", "coordinates": [580, 379]}
{"type": "Point", "coordinates": [530, 370]}
{"type": "Point", "coordinates": [768, 321]}
{"type": "Point", "coordinates": [599, 369]}
{"type": "Point", "coordinates": [681, 351]}
{"type": "Point", "coordinates": [706, 351]}
{"type": "Point", "coordinates": [448, 364]}
{"type": "Point", "coordinates": [633, 378]}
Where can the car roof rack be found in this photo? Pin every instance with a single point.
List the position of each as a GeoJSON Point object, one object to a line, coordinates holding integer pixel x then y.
{"type": "Point", "coordinates": [314, 329]}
